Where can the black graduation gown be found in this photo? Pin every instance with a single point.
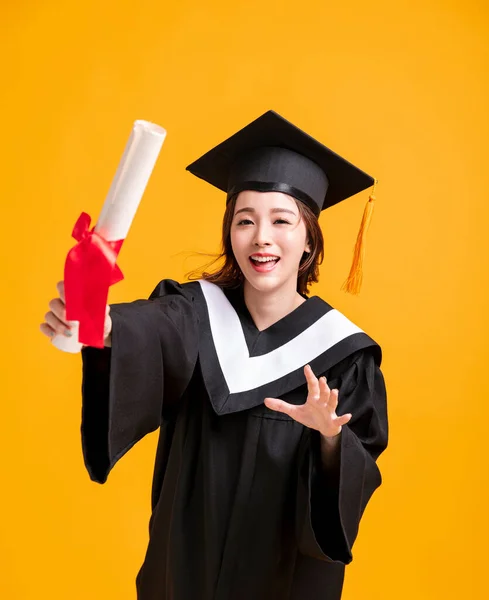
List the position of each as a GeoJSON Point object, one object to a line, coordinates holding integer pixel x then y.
{"type": "Point", "coordinates": [242, 508]}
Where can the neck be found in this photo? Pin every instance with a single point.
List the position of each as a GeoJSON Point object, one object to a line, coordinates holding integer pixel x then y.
{"type": "Point", "coordinates": [266, 308]}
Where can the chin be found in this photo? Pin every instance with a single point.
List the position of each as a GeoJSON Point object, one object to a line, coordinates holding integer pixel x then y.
{"type": "Point", "coordinates": [265, 283]}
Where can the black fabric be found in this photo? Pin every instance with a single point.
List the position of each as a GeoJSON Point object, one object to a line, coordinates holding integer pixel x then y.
{"type": "Point", "coordinates": [258, 343]}
{"type": "Point", "coordinates": [271, 151]}
{"type": "Point", "coordinates": [242, 507]}
{"type": "Point", "coordinates": [135, 375]}
{"type": "Point", "coordinates": [283, 188]}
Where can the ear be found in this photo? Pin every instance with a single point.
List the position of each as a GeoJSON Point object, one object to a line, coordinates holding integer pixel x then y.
{"type": "Point", "coordinates": [307, 247]}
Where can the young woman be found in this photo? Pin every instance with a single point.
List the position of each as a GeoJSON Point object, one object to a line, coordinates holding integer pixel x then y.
{"type": "Point", "coordinates": [271, 404]}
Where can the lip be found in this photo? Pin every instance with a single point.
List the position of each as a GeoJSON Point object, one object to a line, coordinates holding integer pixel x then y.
{"type": "Point", "coordinates": [264, 255]}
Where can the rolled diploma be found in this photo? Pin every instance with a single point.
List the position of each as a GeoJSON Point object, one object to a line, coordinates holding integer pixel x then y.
{"type": "Point", "coordinates": [122, 202]}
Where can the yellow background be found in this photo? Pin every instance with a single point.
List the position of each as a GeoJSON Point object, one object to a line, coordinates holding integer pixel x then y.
{"type": "Point", "coordinates": [400, 89]}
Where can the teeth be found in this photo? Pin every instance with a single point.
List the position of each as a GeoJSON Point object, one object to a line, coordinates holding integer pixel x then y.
{"type": "Point", "coordinates": [263, 258]}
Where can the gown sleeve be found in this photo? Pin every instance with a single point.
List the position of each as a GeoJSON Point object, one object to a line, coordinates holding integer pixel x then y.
{"type": "Point", "coordinates": [330, 503]}
{"type": "Point", "coordinates": [127, 389]}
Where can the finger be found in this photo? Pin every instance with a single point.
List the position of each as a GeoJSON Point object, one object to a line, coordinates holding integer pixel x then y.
{"type": "Point", "coordinates": [58, 309]}
{"type": "Point", "coordinates": [281, 406]}
{"type": "Point", "coordinates": [332, 402]}
{"type": "Point", "coordinates": [60, 286]}
{"type": "Point", "coordinates": [343, 420]}
{"type": "Point", "coordinates": [47, 330]}
{"type": "Point", "coordinates": [312, 383]}
{"type": "Point", "coordinates": [56, 325]}
{"type": "Point", "coordinates": [324, 389]}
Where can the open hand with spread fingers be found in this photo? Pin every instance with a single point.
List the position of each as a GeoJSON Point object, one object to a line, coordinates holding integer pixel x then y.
{"type": "Point", "coordinates": [319, 410]}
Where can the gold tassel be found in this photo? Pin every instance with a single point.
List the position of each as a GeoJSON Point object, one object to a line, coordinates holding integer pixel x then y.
{"type": "Point", "coordinates": [353, 282]}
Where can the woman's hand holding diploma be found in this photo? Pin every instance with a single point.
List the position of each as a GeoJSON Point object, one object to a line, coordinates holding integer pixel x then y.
{"type": "Point", "coordinates": [91, 265]}
{"type": "Point", "coordinates": [55, 322]}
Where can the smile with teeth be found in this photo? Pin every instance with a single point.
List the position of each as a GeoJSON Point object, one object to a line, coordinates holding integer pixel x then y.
{"type": "Point", "coordinates": [264, 258]}
{"type": "Point", "coordinates": [264, 264]}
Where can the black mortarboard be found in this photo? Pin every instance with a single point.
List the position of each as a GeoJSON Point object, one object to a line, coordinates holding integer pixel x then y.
{"type": "Point", "coordinates": [272, 154]}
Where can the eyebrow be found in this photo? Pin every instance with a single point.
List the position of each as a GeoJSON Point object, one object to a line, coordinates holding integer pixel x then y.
{"type": "Point", "coordinates": [273, 210]}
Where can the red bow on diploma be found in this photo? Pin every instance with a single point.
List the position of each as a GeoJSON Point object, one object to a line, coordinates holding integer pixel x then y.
{"type": "Point", "coordinates": [90, 269]}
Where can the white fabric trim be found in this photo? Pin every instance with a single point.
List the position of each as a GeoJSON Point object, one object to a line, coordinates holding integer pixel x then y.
{"type": "Point", "coordinates": [242, 372]}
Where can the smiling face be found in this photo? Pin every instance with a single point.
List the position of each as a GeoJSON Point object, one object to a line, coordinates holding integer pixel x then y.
{"type": "Point", "coordinates": [268, 239]}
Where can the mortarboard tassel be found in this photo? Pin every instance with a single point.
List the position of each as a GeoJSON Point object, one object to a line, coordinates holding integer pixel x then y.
{"type": "Point", "coordinates": [353, 282]}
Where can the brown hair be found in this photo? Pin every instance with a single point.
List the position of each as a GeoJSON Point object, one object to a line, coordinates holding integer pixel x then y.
{"type": "Point", "coordinates": [229, 275]}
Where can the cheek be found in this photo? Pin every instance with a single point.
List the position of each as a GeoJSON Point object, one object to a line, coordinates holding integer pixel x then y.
{"type": "Point", "coordinates": [295, 243]}
{"type": "Point", "coordinates": [237, 242]}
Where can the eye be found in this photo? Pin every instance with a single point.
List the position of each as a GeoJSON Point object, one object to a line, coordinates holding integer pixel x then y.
{"type": "Point", "coordinates": [282, 221]}
{"type": "Point", "coordinates": [244, 222]}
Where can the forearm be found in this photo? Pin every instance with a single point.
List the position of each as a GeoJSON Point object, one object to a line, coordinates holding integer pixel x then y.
{"type": "Point", "coordinates": [330, 451]}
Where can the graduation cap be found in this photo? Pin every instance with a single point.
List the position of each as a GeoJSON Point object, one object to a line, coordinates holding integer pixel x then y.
{"type": "Point", "coordinates": [272, 154]}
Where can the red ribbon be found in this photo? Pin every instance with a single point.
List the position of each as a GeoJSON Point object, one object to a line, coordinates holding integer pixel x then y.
{"type": "Point", "coordinates": [90, 269]}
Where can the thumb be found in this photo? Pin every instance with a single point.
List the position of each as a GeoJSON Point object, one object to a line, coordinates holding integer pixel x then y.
{"type": "Point", "coordinates": [280, 406]}
{"type": "Point", "coordinates": [60, 286]}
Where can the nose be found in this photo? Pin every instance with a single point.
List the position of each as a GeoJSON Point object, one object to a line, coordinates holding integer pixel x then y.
{"type": "Point", "coordinates": [262, 236]}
